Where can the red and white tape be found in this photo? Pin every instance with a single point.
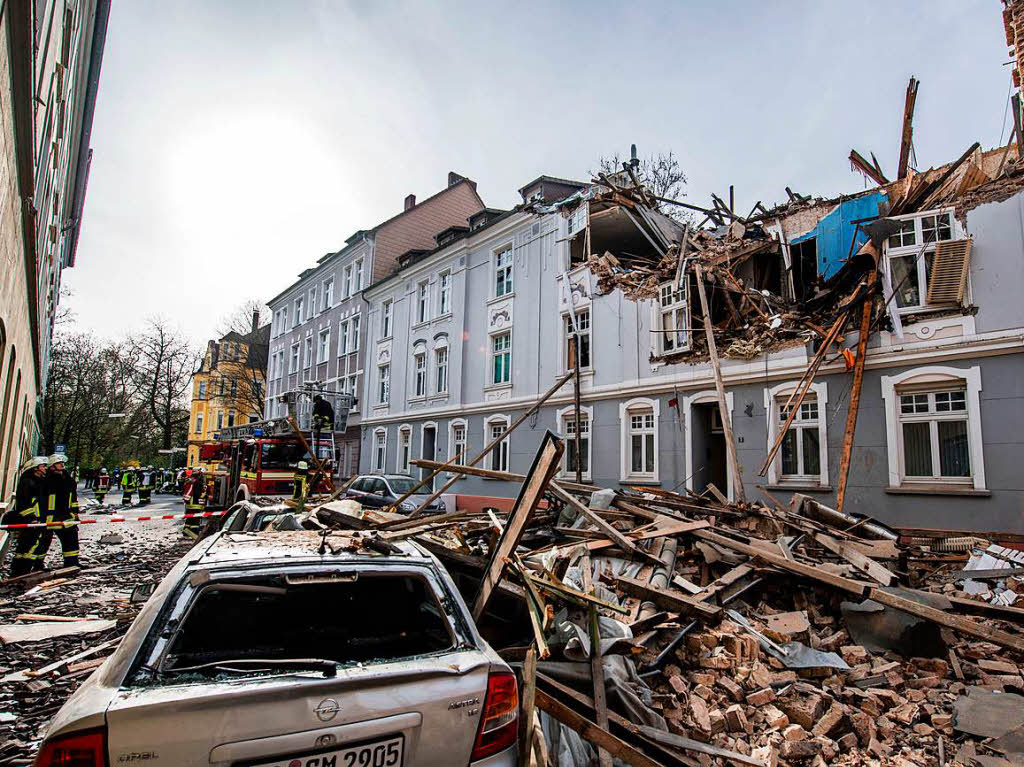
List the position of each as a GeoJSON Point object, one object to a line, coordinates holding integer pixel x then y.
{"type": "Point", "coordinates": [142, 518]}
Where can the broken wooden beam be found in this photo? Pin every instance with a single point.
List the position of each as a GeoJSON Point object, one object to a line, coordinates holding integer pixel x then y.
{"type": "Point", "coordinates": [907, 134]}
{"type": "Point", "coordinates": [668, 599]}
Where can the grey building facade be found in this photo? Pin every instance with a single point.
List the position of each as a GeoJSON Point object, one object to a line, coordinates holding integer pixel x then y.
{"type": "Point", "coordinates": [464, 338]}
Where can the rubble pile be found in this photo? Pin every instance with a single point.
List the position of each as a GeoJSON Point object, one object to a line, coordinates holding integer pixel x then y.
{"type": "Point", "coordinates": [57, 627]}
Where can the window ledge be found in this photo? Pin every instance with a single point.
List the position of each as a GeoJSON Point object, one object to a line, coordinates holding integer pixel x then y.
{"type": "Point", "coordinates": [441, 317]}
{"type": "Point", "coordinates": [801, 487]}
{"type": "Point", "coordinates": [385, 338]}
{"type": "Point", "coordinates": [498, 387]}
{"type": "Point", "coordinates": [420, 325]}
{"type": "Point", "coordinates": [643, 481]}
{"type": "Point", "coordinates": [505, 297]}
{"type": "Point", "coordinates": [421, 398]}
{"type": "Point", "coordinates": [438, 397]}
{"type": "Point", "coordinates": [937, 490]}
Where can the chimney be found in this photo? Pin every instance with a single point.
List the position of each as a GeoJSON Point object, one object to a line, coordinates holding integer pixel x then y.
{"type": "Point", "coordinates": [454, 178]}
{"type": "Point", "coordinates": [255, 320]}
{"type": "Point", "coordinates": [410, 201]}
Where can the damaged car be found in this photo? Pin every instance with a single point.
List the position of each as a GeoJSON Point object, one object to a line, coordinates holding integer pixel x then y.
{"type": "Point", "coordinates": [296, 649]}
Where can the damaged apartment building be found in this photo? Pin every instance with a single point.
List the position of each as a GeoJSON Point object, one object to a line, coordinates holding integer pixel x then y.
{"type": "Point", "coordinates": [867, 348]}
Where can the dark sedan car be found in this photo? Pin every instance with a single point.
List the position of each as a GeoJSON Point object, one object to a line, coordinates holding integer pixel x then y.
{"type": "Point", "coordinates": [380, 490]}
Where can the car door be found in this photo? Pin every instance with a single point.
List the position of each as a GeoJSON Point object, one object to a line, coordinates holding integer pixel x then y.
{"type": "Point", "coordinates": [376, 493]}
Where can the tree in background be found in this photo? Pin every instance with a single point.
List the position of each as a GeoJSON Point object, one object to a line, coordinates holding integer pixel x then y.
{"type": "Point", "coordinates": [163, 365]}
{"type": "Point", "coordinates": [251, 372]}
{"type": "Point", "coordinates": [660, 173]}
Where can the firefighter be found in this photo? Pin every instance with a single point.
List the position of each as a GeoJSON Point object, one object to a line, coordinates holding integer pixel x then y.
{"type": "Point", "coordinates": [145, 485]}
{"type": "Point", "coordinates": [128, 484]}
{"type": "Point", "coordinates": [102, 485]}
{"type": "Point", "coordinates": [61, 506]}
{"type": "Point", "coordinates": [323, 417]}
{"type": "Point", "coordinates": [195, 500]}
{"type": "Point", "coordinates": [27, 497]}
{"type": "Point", "coordinates": [299, 487]}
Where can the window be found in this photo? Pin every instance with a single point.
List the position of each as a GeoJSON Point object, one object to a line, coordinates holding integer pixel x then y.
{"type": "Point", "coordinates": [383, 384]}
{"type": "Point", "coordinates": [423, 302]}
{"type": "Point", "coordinates": [458, 443]}
{"type": "Point", "coordinates": [639, 448]}
{"type": "Point", "coordinates": [231, 418]}
{"type": "Point", "coordinates": [353, 386]}
{"type": "Point", "coordinates": [582, 331]}
{"type": "Point", "coordinates": [380, 450]}
{"type": "Point", "coordinates": [220, 420]}
{"type": "Point", "coordinates": [312, 303]}
{"type": "Point", "coordinates": [202, 390]}
{"type": "Point", "coordinates": [441, 368]}
{"type": "Point", "coordinates": [444, 293]}
{"type": "Point", "coordinates": [358, 275]}
{"type": "Point", "coordinates": [801, 447]}
{"type": "Point", "coordinates": [294, 367]}
{"type": "Point", "coordinates": [405, 449]}
{"type": "Point", "coordinates": [934, 427]}
{"type": "Point", "coordinates": [328, 294]}
{"type": "Point", "coordinates": [308, 351]}
{"type": "Point", "coordinates": [910, 253]}
{"type": "Point", "coordinates": [420, 374]}
{"type": "Point", "coordinates": [324, 345]}
{"type": "Point", "coordinates": [501, 358]}
{"type": "Point", "coordinates": [342, 338]}
{"type": "Point", "coordinates": [385, 319]}
{"type": "Point", "coordinates": [220, 385]}
{"type": "Point", "coordinates": [347, 290]}
{"type": "Point", "coordinates": [199, 423]}
{"type": "Point", "coordinates": [503, 271]}
{"type": "Point", "coordinates": [569, 460]}
{"type": "Point", "coordinates": [354, 335]}
{"type": "Point", "coordinates": [234, 387]}
{"type": "Point", "coordinates": [285, 325]}
{"type": "Point", "coordinates": [672, 316]}
{"type": "Point", "coordinates": [497, 459]}
{"type": "Point", "coordinates": [298, 311]}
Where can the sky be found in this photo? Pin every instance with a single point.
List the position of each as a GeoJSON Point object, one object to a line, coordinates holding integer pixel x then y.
{"type": "Point", "coordinates": [236, 142]}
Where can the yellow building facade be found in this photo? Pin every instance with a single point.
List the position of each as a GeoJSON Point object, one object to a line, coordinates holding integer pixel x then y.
{"type": "Point", "coordinates": [229, 387]}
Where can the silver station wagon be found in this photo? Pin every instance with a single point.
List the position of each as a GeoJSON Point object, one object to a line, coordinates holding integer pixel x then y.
{"type": "Point", "coordinates": [290, 650]}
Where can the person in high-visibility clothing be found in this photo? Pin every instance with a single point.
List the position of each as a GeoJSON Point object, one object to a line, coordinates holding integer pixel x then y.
{"type": "Point", "coordinates": [128, 484]}
{"type": "Point", "coordinates": [102, 485]}
{"type": "Point", "coordinates": [146, 480]}
{"type": "Point", "coordinates": [27, 500]}
{"type": "Point", "coordinates": [61, 505]}
{"type": "Point", "coordinates": [195, 502]}
{"type": "Point", "coordinates": [300, 485]}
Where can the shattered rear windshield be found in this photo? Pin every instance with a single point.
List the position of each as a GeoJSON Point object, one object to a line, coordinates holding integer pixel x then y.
{"type": "Point", "coordinates": [373, 617]}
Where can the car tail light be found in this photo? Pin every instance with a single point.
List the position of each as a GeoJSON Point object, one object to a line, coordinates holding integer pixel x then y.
{"type": "Point", "coordinates": [87, 748]}
{"type": "Point", "coordinates": [500, 718]}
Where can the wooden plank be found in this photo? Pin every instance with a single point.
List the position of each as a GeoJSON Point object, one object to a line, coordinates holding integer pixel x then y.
{"type": "Point", "coordinates": [597, 675]}
{"type": "Point", "coordinates": [545, 464]}
{"type": "Point", "coordinates": [526, 707]}
{"type": "Point", "coordinates": [30, 579]}
{"type": "Point", "coordinates": [594, 518]}
{"type": "Point", "coordinates": [869, 170]}
{"type": "Point", "coordinates": [712, 590]}
{"type": "Point", "coordinates": [507, 476]}
{"type": "Point", "coordinates": [955, 622]}
{"type": "Point", "coordinates": [571, 594]}
{"type": "Point", "coordinates": [668, 599]}
{"type": "Point", "coordinates": [907, 135]}
{"type": "Point", "coordinates": [689, 744]}
{"type": "Point", "coordinates": [589, 731]}
{"type": "Point", "coordinates": [865, 564]}
{"type": "Point", "coordinates": [730, 438]}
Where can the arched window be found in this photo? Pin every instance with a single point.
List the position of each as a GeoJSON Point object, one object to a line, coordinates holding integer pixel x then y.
{"type": "Point", "coordinates": [638, 422]}
{"type": "Point", "coordinates": [803, 457]}
{"type": "Point", "coordinates": [494, 427]}
{"type": "Point", "coordinates": [11, 430]}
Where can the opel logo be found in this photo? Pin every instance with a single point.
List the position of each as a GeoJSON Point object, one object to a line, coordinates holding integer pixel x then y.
{"type": "Point", "coordinates": [327, 710]}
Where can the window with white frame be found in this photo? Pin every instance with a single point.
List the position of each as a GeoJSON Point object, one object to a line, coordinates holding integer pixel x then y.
{"type": "Point", "coordinates": [380, 450]}
{"type": "Point", "coordinates": [672, 319]}
{"type": "Point", "coordinates": [308, 352]}
{"type": "Point", "coordinates": [342, 338]}
{"type": "Point", "coordinates": [422, 302]}
{"type": "Point", "coordinates": [933, 429]}
{"type": "Point", "coordinates": [324, 346]}
{"type": "Point", "coordinates": [503, 271]}
{"type": "Point", "coordinates": [298, 311]}
{"type": "Point", "coordinates": [202, 390]}
{"type": "Point", "coordinates": [220, 420]}
{"type": "Point", "coordinates": [582, 332]}
{"type": "Point", "coordinates": [353, 337]}
{"type": "Point", "coordinates": [383, 384]}
{"type": "Point", "coordinates": [405, 450]}
{"type": "Point", "coordinates": [501, 358]}
{"type": "Point", "coordinates": [327, 294]}
{"type": "Point", "coordinates": [802, 458]}
{"type": "Point", "coordinates": [444, 293]}
{"type": "Point", "coordinates": [497, 459]}
{"type": "Point", "coordinates": [199, 423]}
{"type": "Point", "coordinates": [910, 253]}
{"type": "Point", "coordinates": [458, 443]}
{"type": "Point", "coordinates": [357, 275]}
{"type": "Point", "coordinates": [347, 283]}
{"type": "Point", "coordinates": [385, 318]}
{"type": "Point", "coordinates": [352, 387]}
{"type": "Point", "coordinates": [569, 429]}
{"type": "Point", "coordinates": [294, 367]}
{"type": "Point", "coordinates": [419, 374]}
{"type": "Point", "coordinates": [312, 302]}
{"type": "Point", "coordinates": [285, 320]}
{"type": "Point", "coordinates": [441, 370]}
{"type": "Point", "coordinates": [640, 440]}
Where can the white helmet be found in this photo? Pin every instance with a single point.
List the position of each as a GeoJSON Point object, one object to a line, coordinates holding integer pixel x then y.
{"type": "Point", "coordinates": [56, 458]}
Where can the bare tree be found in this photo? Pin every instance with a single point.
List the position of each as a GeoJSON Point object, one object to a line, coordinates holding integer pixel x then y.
{"type": "Point", "coordinates": [163, 375]}
{"type": "Point", "coordinates": [250, 371]}
{"type": "Point", "coordinates": [660, 173]}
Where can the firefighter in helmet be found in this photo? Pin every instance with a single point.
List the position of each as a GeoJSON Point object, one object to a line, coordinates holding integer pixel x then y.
{"type": "Point", "coordinates": [61, 507]}
{"type": "Point", "coordinates": [29, 495]}
{"type": "Point", "coordinates": [145, 485]}
{"type": "Point", "coordinates": [195, 501]}
{"type": "Point", "coordinates": [128, 484]}
{"type": "Point", "coordinates": [102, 486]}
{"type": "Point", "coordinates": [300, 485]}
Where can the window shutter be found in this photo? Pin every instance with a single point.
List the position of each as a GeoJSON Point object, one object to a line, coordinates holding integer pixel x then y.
{"type": "Point", "coordinates": [949, 272]}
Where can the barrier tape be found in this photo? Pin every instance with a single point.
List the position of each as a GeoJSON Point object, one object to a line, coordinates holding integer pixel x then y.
{"type": "Point", "coordinates": [142, 518]}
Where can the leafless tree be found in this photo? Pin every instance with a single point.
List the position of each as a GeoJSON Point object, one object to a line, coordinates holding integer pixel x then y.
{"type": "Point", "coordinates": [250, 370]}
{"type": "Point", "coordinates": [163, 375]}
{"type": "Point", "coordinates": [660, 173]}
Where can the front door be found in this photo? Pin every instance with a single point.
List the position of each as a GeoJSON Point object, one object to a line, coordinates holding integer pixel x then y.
{"type": "Point", "coordinates": [428, 452]}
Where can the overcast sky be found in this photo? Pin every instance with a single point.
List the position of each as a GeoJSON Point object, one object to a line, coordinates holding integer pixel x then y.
{"type": "Point", "coordinates": [237, 142]}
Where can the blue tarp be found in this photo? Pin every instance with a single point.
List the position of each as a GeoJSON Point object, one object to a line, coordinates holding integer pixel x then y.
{"type": "Point", "coordinates": [836, 230]}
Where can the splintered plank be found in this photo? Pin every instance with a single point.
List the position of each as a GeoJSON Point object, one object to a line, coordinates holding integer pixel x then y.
{"type": "Point", "coordinates": [865, 564]}
{"type": "Point", "coordinates": [668, 599]}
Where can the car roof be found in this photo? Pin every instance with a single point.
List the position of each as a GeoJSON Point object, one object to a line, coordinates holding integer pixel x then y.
{"type": "Point", "coordinates": [269, 547]}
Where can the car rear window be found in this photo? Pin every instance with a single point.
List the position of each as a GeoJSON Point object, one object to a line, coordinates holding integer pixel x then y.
{"type": "Point", "coordinates": [371, 618]}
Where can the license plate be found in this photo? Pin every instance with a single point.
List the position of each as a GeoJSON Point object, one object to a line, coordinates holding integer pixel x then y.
{"type": "Point", "coordinates": [378, 753]}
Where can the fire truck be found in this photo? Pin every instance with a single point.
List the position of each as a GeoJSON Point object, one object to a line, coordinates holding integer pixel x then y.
{"type": "Point", "coordinates": [259, 459]}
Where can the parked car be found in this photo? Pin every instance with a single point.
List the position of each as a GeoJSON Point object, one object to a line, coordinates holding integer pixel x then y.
{"type": "Point", "coordinates": [380, 490]}
{"type": "Point", "coordinates": [246, 516]}
{"type": "Point", "coordinates": [259, 650]}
